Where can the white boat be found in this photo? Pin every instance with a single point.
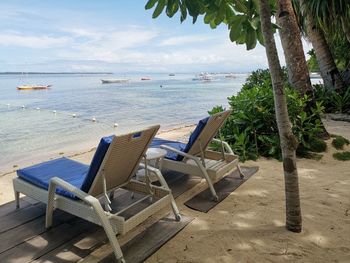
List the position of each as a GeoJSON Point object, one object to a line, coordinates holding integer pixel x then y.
{"type": "Point", "coordinates": [114, 80]}
{"type": "Point", "coordinates": [230, 76]}
{"type": "Point", "coordinates": [203, 77]}
{"type": "Point", "coordinates": [33, 87]}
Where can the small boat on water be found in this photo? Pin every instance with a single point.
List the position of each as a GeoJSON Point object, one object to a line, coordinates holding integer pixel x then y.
{"type": "Point", "coordinates": [33, 87]}
{"type": "Point", "coordinates": [115, 80]}
{"type": "Point", "coordinates": [230, 76]}
{"type": "Point", "coordinates": [171, 74]}
{"type": "Point", "coordinates": [203, 77]}
{"type": "Point", "coordinates": [145, 78]}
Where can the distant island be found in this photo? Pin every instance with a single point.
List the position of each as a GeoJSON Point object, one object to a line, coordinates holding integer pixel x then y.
{"type": "Point", "coordinates": [50, 73]}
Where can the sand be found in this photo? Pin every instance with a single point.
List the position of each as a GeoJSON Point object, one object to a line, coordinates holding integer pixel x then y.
{"type": "Point", "coordinates": [248, 226]}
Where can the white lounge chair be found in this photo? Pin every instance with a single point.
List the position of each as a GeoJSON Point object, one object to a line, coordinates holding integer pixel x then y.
{"type": "Point", "coordinates": [79, 189]}
{"type": "Point", "coordinates": [195, 158]}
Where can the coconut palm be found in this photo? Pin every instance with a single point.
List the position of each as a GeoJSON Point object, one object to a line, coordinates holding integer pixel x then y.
{"type": "Point", "coordinates": [314, 32]}
{"type": "Point", "coordinates": [331, 14]}
{"type": "Point", "coordinates": [248, 24]}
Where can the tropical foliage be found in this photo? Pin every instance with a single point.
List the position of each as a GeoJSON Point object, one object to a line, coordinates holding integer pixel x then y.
{"type": "Point", "coordinates": [251, 129]}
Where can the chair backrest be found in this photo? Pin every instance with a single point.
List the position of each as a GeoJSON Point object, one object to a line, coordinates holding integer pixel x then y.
{"type": "Point", "coordinates": [122, 159]}
{"type": "Point", "coordinates": [205, 132]}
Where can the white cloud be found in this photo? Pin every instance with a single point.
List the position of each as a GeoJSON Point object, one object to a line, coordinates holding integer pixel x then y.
{"type": "Point", "coordinates": [21, 40]}
{"type": "Point", "coordinates": [181, 40]}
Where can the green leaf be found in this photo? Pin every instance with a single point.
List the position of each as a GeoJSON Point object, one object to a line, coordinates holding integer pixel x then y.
{"type": "Point", "coordinates": [150, 4]}
{"type": "Point", "coordinates": [250, 38]}
{"type": "Point", "coordinates": [235, 32]}
{"type": "Point", "coordinates": [159, 8]}
{"type": "Point", "coordinates": [183, 12]}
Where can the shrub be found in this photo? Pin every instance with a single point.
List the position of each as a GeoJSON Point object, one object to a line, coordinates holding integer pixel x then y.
{"type": "Point", "coordinates": [251, 129]}
{"type": "Point", "coordinates": [342, 156]}
{"type": "Point", "coordinates": [339, 142]}
{"type": "Point", "coordinates": [334, 102]}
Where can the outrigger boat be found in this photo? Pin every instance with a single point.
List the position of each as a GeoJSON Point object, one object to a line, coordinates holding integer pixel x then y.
{"type": "Point", "coordinates": [117, 80]}
{"type": "Point", "coordinates": [33, 87]}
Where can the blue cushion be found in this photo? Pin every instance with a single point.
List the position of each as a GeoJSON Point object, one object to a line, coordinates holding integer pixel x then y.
{"type": "Point", "coordinates": [197, 131]}
{"type": "Point", "coordinates": [78, 174]}
{"type": "Point", "coordinates": [66, 169]}
{"type": "Point", "coordinates": [96, 162]}
{"type": "Point", "coordinates": [157, 142]}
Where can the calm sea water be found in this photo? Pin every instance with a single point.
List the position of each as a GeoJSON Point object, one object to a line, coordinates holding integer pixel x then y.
{"type": "Point", "coordinates": [30, 134]}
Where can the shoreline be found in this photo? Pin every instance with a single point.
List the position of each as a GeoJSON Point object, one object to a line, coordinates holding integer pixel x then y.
{"type": "Point", "coordinates": [172, 132]}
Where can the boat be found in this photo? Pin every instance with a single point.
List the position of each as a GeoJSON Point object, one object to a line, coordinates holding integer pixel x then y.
{"type": "Point", "coordinates": [33, 87]}
{"type": "Point", "coordinates": [171, 74]}
{"type": "Point", "coordinates": [230, 76]}
{"type": "Point", "coordinates": [145, 78]}
{"type": "Point", "coordinates": [114, 80]}
{"type": "Point", "coordinates": [203, 77]}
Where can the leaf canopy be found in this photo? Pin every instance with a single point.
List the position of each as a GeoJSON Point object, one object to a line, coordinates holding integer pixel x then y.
{"type": "Point", "coordinates": [241, 16]}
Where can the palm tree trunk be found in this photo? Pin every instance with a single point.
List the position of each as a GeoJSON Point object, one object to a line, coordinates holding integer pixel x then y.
{"type": "Point", "coordinates": [346, 28]}
{"type": "Point", "coordinates": [329, 71]}
{"type": "Point", "coordinates": [288, 140]}
{"type": "Point", "coordinates": [298, 71]}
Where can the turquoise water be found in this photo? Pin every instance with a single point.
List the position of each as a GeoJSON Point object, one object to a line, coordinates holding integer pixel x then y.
{"type": "Point", "coordinates": [30, 134]}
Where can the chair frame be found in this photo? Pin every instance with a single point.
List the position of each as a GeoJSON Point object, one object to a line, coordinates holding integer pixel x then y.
{"type": "Point", "coordinates": [198, 159]}
{"type": "Point", "coordinates": [89, 207]}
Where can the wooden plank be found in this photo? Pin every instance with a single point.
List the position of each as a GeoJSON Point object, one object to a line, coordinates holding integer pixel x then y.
{"type": "Point", "coordinates": [29, 230]}
{"type": "Point", "coordinates": [38, 246]}
{"type": "Point", "coordinates": [10, 207]}
{"type": "Point", "coordinates": [77, 248]}
{"type": "Point", "coordinates": [21, 216]}
{"type": "Point", "coordinates": [150, 240]}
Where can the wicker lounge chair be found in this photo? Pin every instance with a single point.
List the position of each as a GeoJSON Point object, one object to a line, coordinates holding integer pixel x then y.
{"type": "Point", "coordinates": [195, 158]}
{"type": "Point", "coordinates": [79, 189]}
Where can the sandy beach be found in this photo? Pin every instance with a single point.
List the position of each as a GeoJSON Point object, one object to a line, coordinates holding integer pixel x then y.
{"type": "Point", "coordinates": [248, 226]}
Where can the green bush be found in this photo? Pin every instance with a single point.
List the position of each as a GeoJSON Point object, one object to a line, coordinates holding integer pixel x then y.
{"type": "Point", "coordinates": [339, 142]}
{"type": "Point", "coordinates": [342, 156]}
{"type": "Point", "coordinates": [334, 102]}
{"type": "Point", "coordinates": [251, 129]}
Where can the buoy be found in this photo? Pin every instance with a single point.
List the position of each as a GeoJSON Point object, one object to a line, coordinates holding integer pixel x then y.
{"type": "Point", "coordinates": [74, 115]}
{"type": "Point", "coordinates": [93, 119]}
{"type": "Point", "coordinates": [23, 107]}
{"type": "Point", "coordinates": [115, 125]}
{"type": "Point", "coordinates": [54, 111]}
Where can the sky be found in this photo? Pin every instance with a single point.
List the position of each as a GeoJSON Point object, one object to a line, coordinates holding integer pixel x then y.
{"type": "Point", "coordinates": [115, 36]}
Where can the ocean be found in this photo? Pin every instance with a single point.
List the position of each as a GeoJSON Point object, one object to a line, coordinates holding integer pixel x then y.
{"type": "Point", "coordinates": [40, 124]}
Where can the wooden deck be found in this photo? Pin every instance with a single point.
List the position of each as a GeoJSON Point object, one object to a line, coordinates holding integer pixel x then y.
{"type": "Point", "coordinates": [24, 237]}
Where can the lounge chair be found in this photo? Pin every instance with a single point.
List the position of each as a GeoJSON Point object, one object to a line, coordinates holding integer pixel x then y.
{"type": "Point", "coordinates": [195, 158]}
{"type": "Point", "coordinates": [79, 189]}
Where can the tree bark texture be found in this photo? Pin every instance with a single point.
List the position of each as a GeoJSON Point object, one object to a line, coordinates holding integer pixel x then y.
{"type": "Point", "coordinates": [298, 72]}
{"type": "Point", "coordinates": [288, 140]}
{"type": "Point", "coordinates": [329, 71]}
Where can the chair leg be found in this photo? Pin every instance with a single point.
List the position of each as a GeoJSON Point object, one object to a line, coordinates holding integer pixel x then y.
{"type": "Point", "coordinates": [241, 174]}
{"type": "Point", "coordinates": [109, 230]}
{"type": "Point", "coordinates": [17, 199]}
{"type": "Point", "coordinates": [207, 178]}
{"type": "Point", "coordinates": [173, 203]}
{"type": "Point", "coordinates": [50, 205]}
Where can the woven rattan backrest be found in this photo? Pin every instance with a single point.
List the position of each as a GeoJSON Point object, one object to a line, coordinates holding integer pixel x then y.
{"type": "Point", "coordinates": [209, 131]}
{"type": "Point", "coordinates": [122, 159]}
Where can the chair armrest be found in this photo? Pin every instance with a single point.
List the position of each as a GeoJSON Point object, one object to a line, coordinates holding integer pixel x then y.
{"type": "Point", "coordinates": [227, 147]}
{"type": "Point", "coordinates": [55, 181]}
